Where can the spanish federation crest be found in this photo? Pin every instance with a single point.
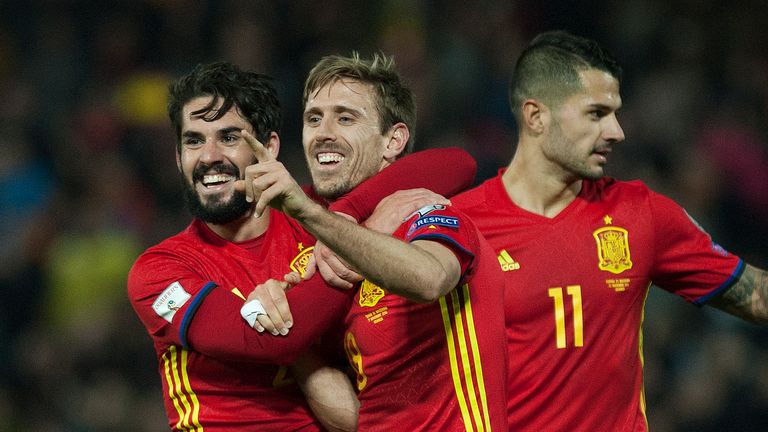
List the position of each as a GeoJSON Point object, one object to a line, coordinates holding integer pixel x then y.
{"type": "Point", "coordinates": [613, 248]}
{"type": "Point", "coordinates": [299, 262]}
{"type": "Point", "coordinates": [370, 294]}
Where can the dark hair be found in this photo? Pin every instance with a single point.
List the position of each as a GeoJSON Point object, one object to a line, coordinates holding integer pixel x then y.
{"type": "Point", "coordinates": [394, 100]}
{"type": "Point", "coordinates": [548, 69]}
{"type": "Point", "coordinates": [251, 93]}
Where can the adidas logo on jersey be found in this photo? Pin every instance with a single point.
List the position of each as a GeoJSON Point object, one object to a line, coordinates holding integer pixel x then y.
{"type": "Point", "coordinates": [506, 261]}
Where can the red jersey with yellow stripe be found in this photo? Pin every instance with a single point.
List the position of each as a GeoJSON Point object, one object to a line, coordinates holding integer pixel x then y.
{"type": "Point", "coordinates": [439, 366]}
{"type": "Point", "coordinates": [218, 374]}
{"type": "Point", "coordinates": [577, 287]}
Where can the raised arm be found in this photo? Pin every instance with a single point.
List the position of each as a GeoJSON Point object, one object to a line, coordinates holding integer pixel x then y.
{"type": "Point", "coordinates": [421, 271]}
{"type": "Point", "coordinates": [747, 298]}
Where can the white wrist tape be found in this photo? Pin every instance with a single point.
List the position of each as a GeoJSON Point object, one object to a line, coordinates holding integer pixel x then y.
{"type": "Point", "coordinates": [251, 310]}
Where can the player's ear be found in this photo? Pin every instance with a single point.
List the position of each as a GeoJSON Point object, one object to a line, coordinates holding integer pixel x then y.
{"type": "Point", "coordinates": [273, 143]}
{"type": "Point", "coordinates": [397, 140]}
{"type": "Point", "coordinates": [535, 116]}
{"type": "Point", "coordinates": [178, 158]}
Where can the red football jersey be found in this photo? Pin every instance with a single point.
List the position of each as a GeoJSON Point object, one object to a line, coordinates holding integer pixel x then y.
{"type": "Point", "coordinates": [577, 285]}
{"type": "Point", "coordinates": [217, 372]}
{"type": "Point", "coordinates": [439, 366]}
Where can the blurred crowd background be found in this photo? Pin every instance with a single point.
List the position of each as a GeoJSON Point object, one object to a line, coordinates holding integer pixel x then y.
{"type": "Point", "coordinates": [88, 177]}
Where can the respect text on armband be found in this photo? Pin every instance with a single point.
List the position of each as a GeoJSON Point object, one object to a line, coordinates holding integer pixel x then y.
{"type": "Point", "coordinates": [446, 221]}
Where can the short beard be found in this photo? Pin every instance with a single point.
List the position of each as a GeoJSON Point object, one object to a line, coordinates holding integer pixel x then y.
{"type": "Point", "coordinates": [217, 211]}
{"type": "Point", "coordinates": [576, 166]}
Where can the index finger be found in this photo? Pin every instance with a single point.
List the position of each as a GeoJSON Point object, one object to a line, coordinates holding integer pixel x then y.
{"type": "Point", "coordinates": [261, 152]}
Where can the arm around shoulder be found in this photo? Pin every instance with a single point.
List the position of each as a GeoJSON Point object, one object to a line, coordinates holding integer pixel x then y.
{"type": "Point", "coordinates": [421, 271]}
{"type": "Point", "coordinates": [422, 169]}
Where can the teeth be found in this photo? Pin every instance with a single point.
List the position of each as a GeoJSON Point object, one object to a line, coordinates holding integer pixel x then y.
{"type": "Point", "coordinates": [216, 178]}
{"type": "Point", "coordinates": [329, 157]}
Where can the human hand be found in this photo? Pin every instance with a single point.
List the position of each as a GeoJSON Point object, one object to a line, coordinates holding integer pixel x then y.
{"type": "Point", "coordinates": [396, 208]}
{"type": "Point", "coordinates": [268, 304]}
{"type": "Point", "coordinates": [268, 182]}
{"type": "Point", "coordinates": [334, 270]}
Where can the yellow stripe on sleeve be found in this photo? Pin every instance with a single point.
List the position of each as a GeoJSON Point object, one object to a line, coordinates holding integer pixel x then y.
{"type": "Point", "coordinates": [454, 366]}
{"type": "Point", "coordinates": [176, 377]}
{"type": "Point", "coordinates": [195, 423]}
{"type": "Point", "coordinates": [467, 370]}
{"type": "Point", "coordinates": [476, 356]}
{"type": "Point", "coordinates": [642, 358]}
{"type": "Point", "coordinates": [467, 350]}
{"type": "Point", "coordinates": [177, 392]}
{"type": "Point", "coordinates": [167, 368]}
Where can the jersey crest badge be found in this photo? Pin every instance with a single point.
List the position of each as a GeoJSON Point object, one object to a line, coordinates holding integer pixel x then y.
{"type": "Point", "coordinates": [299, 262]}
{"type": "Point", "coordinates": [613, 248]}
{"type": "Point", "coordinates": [370, 294]}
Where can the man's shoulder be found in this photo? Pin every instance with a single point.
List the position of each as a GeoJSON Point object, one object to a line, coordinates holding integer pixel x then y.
{"type": "Point", "coordinates": [477, 196]}
{"type": "Point", "coordinates": [612, 186]}
{"type": "Point", "coordinates": [187, 238]}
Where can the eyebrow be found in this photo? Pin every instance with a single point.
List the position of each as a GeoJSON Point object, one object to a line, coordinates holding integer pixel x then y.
{"type": "Point", "coordinates": [223, 131]}
{"type": "Point", "coordinates": [228, 130]}
{"type": "Point", "coordinates": [336, 109]}
{"type": "Point", "coordinates": [341, 108]}
{"type": "Point", "coordinates": [603, 107]}
{"type": "Point", "coordinates": [191, 134]}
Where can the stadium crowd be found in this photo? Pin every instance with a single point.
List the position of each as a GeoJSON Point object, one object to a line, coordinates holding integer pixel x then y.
{"type": "Point", "coordinates": [85, 139]}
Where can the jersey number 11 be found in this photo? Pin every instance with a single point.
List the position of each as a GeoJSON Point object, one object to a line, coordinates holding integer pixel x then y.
{"type": "Point", "coordinates": [574, 291]}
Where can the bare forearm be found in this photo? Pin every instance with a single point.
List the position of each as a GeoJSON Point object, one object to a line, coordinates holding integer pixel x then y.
{"type": "Point", "coordinates": [328, 392]}
{"type": "Point", "coordinates": [398, 267]}
{"type": "Point", "coordinates": [748, 297]}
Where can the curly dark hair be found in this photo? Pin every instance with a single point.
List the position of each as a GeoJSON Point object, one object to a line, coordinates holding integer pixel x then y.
{"type": "Point", "coordinates": [253, 95]}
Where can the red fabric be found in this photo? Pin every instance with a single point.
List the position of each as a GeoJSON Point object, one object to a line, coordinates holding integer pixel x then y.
{"type": "Point", "coordinates": [227, 367]}
{"type": "Point", "coordinates": [598, 257]}
{"type": "Point", "coordinates": [430, 367]}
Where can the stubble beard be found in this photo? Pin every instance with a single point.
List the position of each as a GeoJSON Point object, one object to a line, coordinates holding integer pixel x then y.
{"type": "Point", "coordinates": [575, 164]}
{"type": "Point", "coordinates": [332, 188]}
{"type": "Point", "coordinates": [335, 186]}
